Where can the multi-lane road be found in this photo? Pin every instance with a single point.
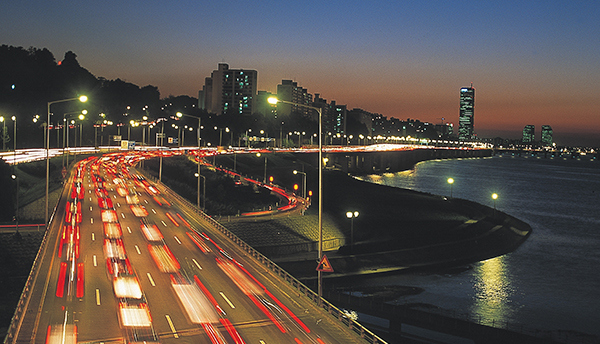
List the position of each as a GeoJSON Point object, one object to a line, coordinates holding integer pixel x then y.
{"type": "Point", "coordinates": [127, 264]}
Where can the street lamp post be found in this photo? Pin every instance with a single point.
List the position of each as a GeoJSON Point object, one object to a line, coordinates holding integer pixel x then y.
{"type": "Point", "coordinates": [14, 176]}
{"type": "Point", "coordinates": [179, 114]}
{"type": "Point", "coordinates": [198, 175]}
{"type": "Point", "coordinates": [451, 182]}
{"type": "Point", "coordinates": [352, 215]}
{"type": "Point", "coordinates": [265, 175]}
{"type": "Point", "coordinates": [3, 133]}
{"type": "Point", "coordinates": [14, 118]}
{"type": "Point", "coordinates": [494, 197]}
{"type": "Point", "coordinates": [82, 99]}
{"type": "Point", "coordinates": [273, 100]}
{"type": "Point", "coordinates": [303, 183]}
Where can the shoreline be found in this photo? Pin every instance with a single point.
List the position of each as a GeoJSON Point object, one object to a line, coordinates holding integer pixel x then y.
{"type": "Point", "coordinates": [428, 231]}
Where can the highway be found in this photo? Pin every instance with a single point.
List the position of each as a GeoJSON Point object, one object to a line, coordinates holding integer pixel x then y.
{"type": "Point", "coordinates": [128, 264]}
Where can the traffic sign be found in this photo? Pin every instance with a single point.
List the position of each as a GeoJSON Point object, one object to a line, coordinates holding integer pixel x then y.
{"type": "Point", "coordinates": [324, 265]}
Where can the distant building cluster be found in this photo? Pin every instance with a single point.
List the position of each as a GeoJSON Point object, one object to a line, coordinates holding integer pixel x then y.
{"type": "Point", "coordinates": [234, 91]}
{"type": "Point", "coordinates": [545, 136]}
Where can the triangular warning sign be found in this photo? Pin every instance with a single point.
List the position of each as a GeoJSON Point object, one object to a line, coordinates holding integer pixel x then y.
{"type": "Point", "coordinates": [324, 265]}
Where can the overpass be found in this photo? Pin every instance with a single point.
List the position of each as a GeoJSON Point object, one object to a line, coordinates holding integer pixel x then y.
{"type": "Point", "coordinates": [126, 260]}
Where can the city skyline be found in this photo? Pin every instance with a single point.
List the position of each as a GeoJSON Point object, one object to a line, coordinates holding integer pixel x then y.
{"type": "Point", "coordinates": [532, 63]}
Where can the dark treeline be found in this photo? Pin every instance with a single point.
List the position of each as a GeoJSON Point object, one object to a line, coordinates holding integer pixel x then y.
{"type": "Point", "coordinates": [30, 78]}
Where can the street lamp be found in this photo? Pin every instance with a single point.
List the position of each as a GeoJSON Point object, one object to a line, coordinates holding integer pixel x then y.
{"type": "Point", "coordinates": [274, 101]}
{"type": "Point", "coordinates": [198, 175]}
{"type": "Point", "coordinates": [351, 215]}
{"type": "Point", "coordinates": [14, 176]}
{"type": "Point", "coordinates": [179, 115]}
{"type": "Point", "coordinates": [303, 183]}
{"type": "Point", "coordinates": [14, 118]}
{"type": "Point", "coordinates": [82, 99]}
{"type": "Point", "coordinates": [3, 133]}
{"type": "Point", "coordinates": [265, 176]}
{"type": "Point", "coordinates": [451, 182]}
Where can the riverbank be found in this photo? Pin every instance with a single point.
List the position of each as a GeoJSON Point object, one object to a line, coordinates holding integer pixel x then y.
{"type": "Point", "coordinates": [397, 229]}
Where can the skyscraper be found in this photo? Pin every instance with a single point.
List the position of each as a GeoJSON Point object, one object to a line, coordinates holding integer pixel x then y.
{"type": "Point", "coordinates": [547, 135]}
{"type": "Point", "coordinates": [230, 91]}
{"type": "Point", "coordinates": [466, 113]}
{"type": "Point", "coordinates": [529, 133]}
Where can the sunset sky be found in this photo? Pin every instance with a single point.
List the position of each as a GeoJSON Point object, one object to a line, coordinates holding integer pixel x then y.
{"type": "Point", "coordinates": [531, 62]}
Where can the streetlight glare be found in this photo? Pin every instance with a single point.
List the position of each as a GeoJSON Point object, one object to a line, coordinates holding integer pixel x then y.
{"type": "Point", "coordinates": [83, 99]}
{"type": "Point", "coordinates": [450, 180]}
{"type": "Point", "coordinates": [272, 100]}
{"type": "Point", "coordinates": [495, 196]}
{"type": "Point", "coordinates": [349, 214]}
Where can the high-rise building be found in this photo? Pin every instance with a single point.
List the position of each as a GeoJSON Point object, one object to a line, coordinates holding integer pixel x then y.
{"type": "Point", "coordinates": [466, 114]}
{"type": "Point", "coordinates": [230, 91]}
{"type": "Point", "coordinates": [546, 135]}
{"type": "Point", "coordinates": [529, 133]}
{"type": "Point", "coordinates": [289, 91]}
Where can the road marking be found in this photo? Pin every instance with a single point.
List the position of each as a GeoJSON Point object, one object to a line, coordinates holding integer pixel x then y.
{"type": "Point", "coordinates": [262, 342]}
{"type": "Point", "coordinates": [91, 220]}
{"type": "Point", "coordinates": [93, 236]}
{"type": "Point", "coordinates": [163, 222]}
{"type": "Point", "coordinates": [196, 262]}
{"type": "Point", "coordinates": [138, 249]}
{"type": "Point", "coordinates": [97, 297]}
{"type": "Point", "coordinates": [227, 300]}
{"type": "Point", "coordinates": [177, 239]}
{"type": "Point", "coordinates": [90, 197]}
{"type": "Point", "coordinates": [151, 280]}
{"type": "Point", "coordinates": [146, 201]}
{"type": "Point", "coordinates": [175, 335]}
{"type": "Point", "coordinates": [95, 260]}
{"type": "Point", "coordinates": [90, 208]}
{"type": "Point", "coordinates": [129, 229]}
{"type": "Point", "coordinates": [118, 205]}
{"type": "Point", "coordinates": [123, 215]}
{"type": "Point", "coordinates": [154, 211]}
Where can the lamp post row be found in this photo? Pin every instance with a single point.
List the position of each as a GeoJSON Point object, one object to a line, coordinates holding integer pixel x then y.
{"type": "Point", "coordinates": [274, 101]}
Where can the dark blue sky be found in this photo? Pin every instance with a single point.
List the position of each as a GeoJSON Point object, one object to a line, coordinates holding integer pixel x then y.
{"type": "Point", "coordinates": [532, 62]}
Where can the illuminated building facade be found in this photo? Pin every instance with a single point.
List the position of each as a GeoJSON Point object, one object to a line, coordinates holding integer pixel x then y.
{"type": "Point", "coordinates": [230, 91]}
{"type": "Point", "coordinates": [546, 135]}
{"type": "Point", "coordinates": [466, 114]}
{"type": "Point", "coordinates": [529, 134]}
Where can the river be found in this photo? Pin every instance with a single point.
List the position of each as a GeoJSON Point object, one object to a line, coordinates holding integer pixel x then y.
{"type": "Point", "coordinates": [552, 281]}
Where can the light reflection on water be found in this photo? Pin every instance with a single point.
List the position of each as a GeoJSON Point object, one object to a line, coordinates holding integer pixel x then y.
{"type": "Point", "coordinates": [551, 282]}
{"type": "Point", "coordinates": [492, 289]}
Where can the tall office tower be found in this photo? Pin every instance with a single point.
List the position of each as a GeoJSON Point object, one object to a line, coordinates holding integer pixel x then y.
{"type": "Point", "coordinates": [230, 91]}
{"type": "Point", "coordinates": [529, 133]}
{"type": "Point", "coordinates": [289, 91]}
{"type": "Point", "coordinates": [466, 113]}
{"type": "Point", "coordinates": [336, 118]}
{"type": "Point", "coordinates": [547, 135]}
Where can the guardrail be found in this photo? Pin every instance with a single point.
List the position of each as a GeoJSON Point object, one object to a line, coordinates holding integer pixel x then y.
{"type": "Point", "coordinates": [333, 311]}
{"type": "Point", "coordinates": [17, 319]}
